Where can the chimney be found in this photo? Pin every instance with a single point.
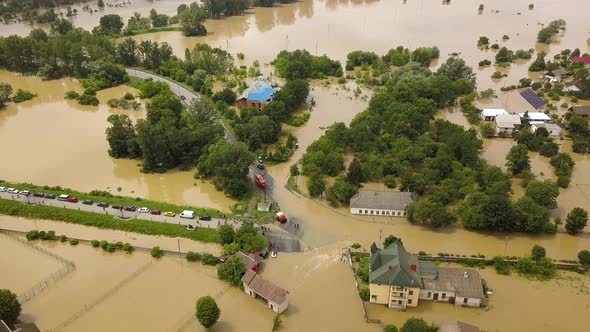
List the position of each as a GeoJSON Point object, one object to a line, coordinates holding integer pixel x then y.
{"type": "Point", "coordinates": [413, 267]}
{"type": "Point", "coordinates": [465, 275]}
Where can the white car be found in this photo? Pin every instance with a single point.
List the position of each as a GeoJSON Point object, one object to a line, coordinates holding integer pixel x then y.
{"type": "Point", "coordinates": [63, 197]}
{"type": "Point", "coordinates": [25, 192]}
{"type": "Point", "coordinates": [12, 191]}
{"type": "Point", "coordinates": [143, 210]}
{"type": "Point", "coordinates": [2, 189]}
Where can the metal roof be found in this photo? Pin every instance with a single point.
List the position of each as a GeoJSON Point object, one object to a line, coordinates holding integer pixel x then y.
{"type": "Point", "coordinates": [507, 120]}
{"type": "Point", "coordinates": [385, 200]}
{"type": "Point", "coordinates": [263, 94]}
{"type": "Point", "coordinates": [536, 116]}
{"type": "Point", "coordinates": [463, 282]}
{"type": "Point", "coordinates": [580, 110]}
{"type": "Point", "coordinates": [531, 97]}
{"type": "Point", "coordinates": [392, 266]}
{"type": "Point", "coordinates": [264, 288]}
{"type": "Point", "coordinates": [493, 111]}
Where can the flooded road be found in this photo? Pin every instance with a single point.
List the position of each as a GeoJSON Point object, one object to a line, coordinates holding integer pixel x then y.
{"type": "Point", "coordinates": [70, 140]}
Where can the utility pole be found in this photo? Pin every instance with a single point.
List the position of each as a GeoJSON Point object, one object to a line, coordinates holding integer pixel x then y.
{"type": "Point", "coordinates": [178, 247]}
{"type": "Point", "coordinates": [286, 42]}
{"type": "Point", "coordinates": [380, 233]}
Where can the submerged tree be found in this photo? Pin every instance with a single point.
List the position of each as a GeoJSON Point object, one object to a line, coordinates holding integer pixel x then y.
{"type": "Point", "coordinates": [207, 311]}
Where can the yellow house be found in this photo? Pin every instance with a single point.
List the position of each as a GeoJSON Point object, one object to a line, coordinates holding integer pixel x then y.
{"type": "Point", "coordinates": [394, 279]}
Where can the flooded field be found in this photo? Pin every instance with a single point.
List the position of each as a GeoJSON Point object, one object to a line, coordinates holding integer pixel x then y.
{"type": "Point", "coordinates": [70, 140]}
{"type": "Point", "coordinates": [513, 299]}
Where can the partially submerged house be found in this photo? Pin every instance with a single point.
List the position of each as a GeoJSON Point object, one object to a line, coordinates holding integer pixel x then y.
{"type": "Point", "coordinates": [574, 86]}
{"type": "Point", "coordinates": [250, 261]}
{"type": "Point", "coordinates": [533, 99]}
{"type": "Point", "coordinates": [257, 95]}
{"type": "Point", "coordinates": [552, 128]}
{"type": "Point", "coordinates": [535, 116]}
{"type": "Point", "coordinates": [256, 286]}
{"type": "Point", "coordinates": [399, 279]}
{"type": "Point", "coordinates": [380, 203]}
{"type": "Point", "coordinates": [580, 110]}
{"type": "Point", "coordinates": [585, 60]}
{"type": "Point", "coordinates": [507, 123]}
{"type": "Point", "coordinates": [556, 75]}
{"type": "Point", "coordinates": [458, 326]}
{"type": "Point", "coordinates": [490, 114]}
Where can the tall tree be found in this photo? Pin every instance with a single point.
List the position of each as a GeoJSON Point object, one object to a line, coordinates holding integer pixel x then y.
{"type": "Point", "coordinates": [5, 92]}
{"type": "Point", "coordinates": [111, 24]}
{"type": "Point", "coordinates": [122, 137]}
{"type": "Point", "coordinates": [10, 308]}
{"type": "Point", "coordinates": [517, 159]}
{"type": "Point", "coordinates": [576, 220]}
{"type": "Point", "coordinates": [543, 192]}
{"type": "Point", "coordinates": [191, 20]}
{"type": "Point", "coordinates": [231, 270]}
{"type": "Point", "coordinates": [207, 311]}
{"type": "Point", "coordinates": [355, 172]}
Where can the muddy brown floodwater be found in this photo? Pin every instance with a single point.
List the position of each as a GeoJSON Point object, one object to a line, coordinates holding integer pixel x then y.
{"type": "Point", "coordinates": [54, 141]}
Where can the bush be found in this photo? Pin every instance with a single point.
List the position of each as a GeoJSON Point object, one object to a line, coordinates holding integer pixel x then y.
{"type": "Point", "coordinates": [32, 235]}
{"type": "Point", "coordinates": [192, 256]}
{"type": "Point", "coordinates": [127, 248]}
{"type": "Point", "coordinates": [363, 269]}
{"type": "Point", "coordinates": [365, 294]}
{"type": "Point", "coordinates": [88, 99]}
{"type": "Point", "coordinates": [484, 63]}
{"type": "Point", "coordinates": [111, 247]}
{"type": "Point", "coordinates": [95, 243]}
{"type": "Point", "coordinates": [389, 181]}
{"type": "Point", "coordinates": [72, 95]}
{"type": "Point", "coordinates": [209, 259]}
{"type": "Point", "coordinates": [501, 266]}
{"type": "Point", "coordinates": [156, 252]}
{"type": "Point", "coordinates": [128, 96]}
{"type": "Point", "coordinates": [74, 242]}
{"type": "Point", "coordinates": [550, 228]}
{"type": "Point", "coordinates": [240, 56]}
{"type": "Point", "coordinates": [497, 75]}
{"type": "Point", "coordinates": [63, 238]}
{"type": "Point", "coordinates": [355, 246]}
{"type": "Point", "coordinates": [104, 244]}
{"type": "Point", "coordinates": [23, 95]}
{"type": "Point", "coordinates": [390, 328]}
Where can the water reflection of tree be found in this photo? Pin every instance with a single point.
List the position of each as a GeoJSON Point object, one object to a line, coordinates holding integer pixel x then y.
{"type": "Point", "coordinates": [333, 4]}
{"type": "Point", "coordinates": [282, 14]}
{"type": "Point", "coordinates": [234, 26]}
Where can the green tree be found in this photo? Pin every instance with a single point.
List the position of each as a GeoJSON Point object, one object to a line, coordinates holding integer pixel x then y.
{"type": "Point", "coordinates": [294, 170]}
{"type": "Point", "coordinates": [390, 328]}
{"type": "Point", "coordinates": [248, 238]}
{"type": "Point", "coordinates": [127, 52]}
{"type": "Point", "coordinates": [5, 92]}
{"type": "Point", "coordinates": [517, 159]}
{"type": "Point", "coordinates": [417, 325]}
{"type": "Point", "coordinates": [61, 26]}
{"type": "Point", "coordinates": [546, 34]}
{"type": "Point", "coordinates": [276, 323]}
{"type": "Point", "coordinates": [191, 20]}
{"type": "Point", "coordinates": [354, 174]}
{"type": "Point", "coordinates": [544, 193]}
{"type": "Point", "coordinates": [10, 308]}
{"type": "Point", "coordinates": [389, 240]}
{"type": "Point", "coordinates": [487, 129]}
{"type": "Point", "coordinates": [455, 69]}
{"type": "Point", "coordinates": [584, 257]}
{"type": "Point", "coordinates": [122, 137]}
{"type": "Point", "coordinates": [156, 252]}
{"type": "Point", "coordinates": [539, 63]}
{"type": "Point", "coordinates": [529, 216]}
{"type": "Point", "coordinates": [538, 252]}
{"type": "Point", "coordinates": [207, 311]}
{"type": "Point", "coordinates": [504, 55]}
{"type": "Point", "coordinates": [231, 270]}
{"type": "Point", "coordinates": [228, 164]}
{"type": "Point", "coordinates": [111, 24]}
{"type": "Point", "coordinates": [341, 191]}
{"type": "Point", "coordinates": [227, 233]}
{"type": "Point", "coordinates": [316, 185]}
{"type": "Point", "coordinates": [576, 220]}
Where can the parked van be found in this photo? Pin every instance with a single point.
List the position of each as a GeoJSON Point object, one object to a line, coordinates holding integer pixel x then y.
{"type": "Point", "coordinates": [187, 214]}
{"type": "Point", "coordinates": [63, 197]}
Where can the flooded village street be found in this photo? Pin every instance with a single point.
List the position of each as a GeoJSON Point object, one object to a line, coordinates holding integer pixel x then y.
{"type": "Point", "coordinates": [52, 141]}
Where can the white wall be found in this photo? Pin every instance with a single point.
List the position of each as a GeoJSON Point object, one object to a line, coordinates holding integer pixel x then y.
{"type": "Point", "coordinates": [424, 295]}
{"type": "Point", "coordinates": [471, 302]}
{"type": "Point", "coordinates": [378, 212]}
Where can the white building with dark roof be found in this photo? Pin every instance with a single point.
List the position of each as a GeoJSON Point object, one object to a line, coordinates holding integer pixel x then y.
{"type": "Point", "coordinates": [381, 203]}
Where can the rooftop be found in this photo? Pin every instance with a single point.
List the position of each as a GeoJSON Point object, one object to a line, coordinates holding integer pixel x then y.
{"type": "Point", "coordinates": [249, 260]}
{"type": "Point", "coordinates": [581, 59]}
{"type": "Point", "coordinates": [264, 288]}
{"type": "Point", "coordinates": [393, 266]}
{"type": "Point", "coordinates": [580, 110]}
{"type": "Point", "coordinates": [464, 282]}
{"type": "Point", "coordinates": [507, 120]}
{"type": "Point", "coordinates": [258, 89]}
{"type": "Point", "coordinates": [536, 116]}
{"type": "Point", "coordinates": [386, 200]}
{"type": "Point", "coordinates": [532, 98]}
{"type": "Point", "coordinates": [558, 72]}
{"type": "Point", "coordinates": [262, 94]}
{"type": "Point", "coordinates": [548, 126]}
{"type": "Point", "coordinates": [458, 326]}
{"type": "Point", "coordinates": [493, 111]}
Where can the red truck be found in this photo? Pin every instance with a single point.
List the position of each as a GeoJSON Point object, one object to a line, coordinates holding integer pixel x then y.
{"type": "Point", "coordinates": [259, 180]}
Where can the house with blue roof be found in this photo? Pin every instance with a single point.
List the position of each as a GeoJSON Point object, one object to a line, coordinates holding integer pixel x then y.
{"type": "Point", "coordinates": [257, 95]}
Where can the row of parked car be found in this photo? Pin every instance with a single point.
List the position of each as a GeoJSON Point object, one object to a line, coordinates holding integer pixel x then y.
{"type": "Point", "coordinates": [67, 198]}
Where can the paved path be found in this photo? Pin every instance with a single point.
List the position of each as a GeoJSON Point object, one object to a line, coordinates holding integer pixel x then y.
{"type": "Point", "coordinates": [280, 238]}
{"type": "Point", "coordinates": [188, 96]}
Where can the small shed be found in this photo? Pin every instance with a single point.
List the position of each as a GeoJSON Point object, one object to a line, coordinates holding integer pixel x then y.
{"type": "Point", "coordinates": [490, 114]}
{"type": "Point", "coordinates": [256, 286]}
{"type": "Point", "coordinates": [535, 116]}
{"type": "Point", "coordinates": [580, 110]}
{"type": "Point", "coordinates": [552, 129]}
{"type": "Point", "coordinates": [556, 75]}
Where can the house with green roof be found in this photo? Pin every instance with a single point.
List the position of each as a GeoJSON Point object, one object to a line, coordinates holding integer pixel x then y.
{"type": "Point", "coordinates": [399, 280]}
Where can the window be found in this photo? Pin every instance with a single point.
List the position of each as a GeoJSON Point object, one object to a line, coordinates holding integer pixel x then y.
{"type": "Point", "coordinates": [465, 300]}
{"type": "Point", "coordinates": [399, 213]}
{"type": "Point", "coordinates": [411, 292]}
{"type": "Point", "coordinates": [429, 294]}
{"type": "Point", "coordinates": [410, 301]}
{"type": "Point", "coordinates": [371, 211]}
{"type": "Point", "coordinates": [444, 295]}
{"type": "Point", "coordinates": [399, 302]}
{"type": "Point", "coordinates": [373, 298]}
